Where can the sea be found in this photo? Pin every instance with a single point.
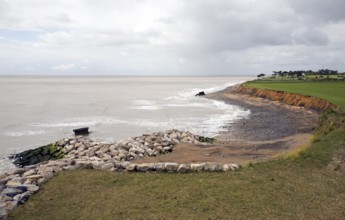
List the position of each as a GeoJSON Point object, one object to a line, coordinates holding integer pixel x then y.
{"type": "Point", "coordinates": [37, 110]}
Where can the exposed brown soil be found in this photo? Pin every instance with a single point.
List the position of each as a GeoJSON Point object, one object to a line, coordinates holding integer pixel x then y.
{"type": "Point", "coordinates": [271, 129]}
{"type": "Point", "coordinates": [288, 98]}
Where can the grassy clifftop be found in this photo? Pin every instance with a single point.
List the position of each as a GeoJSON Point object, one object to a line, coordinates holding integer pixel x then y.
{"type": "Point", "coordinates": [333, 92]}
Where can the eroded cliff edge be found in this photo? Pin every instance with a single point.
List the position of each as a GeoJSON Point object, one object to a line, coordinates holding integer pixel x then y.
{"type": "Point", "coordinates": [291, 99]}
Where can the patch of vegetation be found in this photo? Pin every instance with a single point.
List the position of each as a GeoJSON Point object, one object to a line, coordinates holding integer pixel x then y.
{"type": "Point", "coordinates": [207, 139]}
{"type": "Point", "coordinates": [38, 155]}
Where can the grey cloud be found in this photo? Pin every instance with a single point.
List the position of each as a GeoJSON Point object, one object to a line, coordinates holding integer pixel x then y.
{"type": "Point", "coordinates": [310, 37]}
{"type": "Point", "coordinates": [228, 25]}
{"type": "Point", "coordinates": [327, 11]}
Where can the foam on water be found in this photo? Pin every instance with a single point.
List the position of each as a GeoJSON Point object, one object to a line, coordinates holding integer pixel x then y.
{"type": "Point", "coordinates": [145, 105]}
{"type": "Point", "coordinates": [80, 122]}
{"type": "Point", "coordinates": [24, 133]}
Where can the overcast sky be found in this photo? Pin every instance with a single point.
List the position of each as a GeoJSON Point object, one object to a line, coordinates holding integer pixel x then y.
{"type": "Point", "coordinates": [163, 37]}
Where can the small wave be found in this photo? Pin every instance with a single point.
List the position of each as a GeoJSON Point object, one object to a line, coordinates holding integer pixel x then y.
{"type": "Point", "coordinates": [145, 105]}
{"type": "Point", "coordinates": [24, 133]}
{"type": "Point", "coordinates": [78, 122]}
{"type": "Point", "coordinates": [188, 104]}
{"type": "Point", "coordinates": [191, 92]}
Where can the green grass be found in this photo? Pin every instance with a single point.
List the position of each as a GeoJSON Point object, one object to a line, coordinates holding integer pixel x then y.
{"type": "Point", "coordinates": [334, 92]}
{"type": "Point", "coordinates": [308, 185]}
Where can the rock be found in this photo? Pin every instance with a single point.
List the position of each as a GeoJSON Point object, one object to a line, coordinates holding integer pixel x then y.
{"type": "Point", "coordinates": [21, 198]}
{"type": "Point", "coordinates": [46, 172]}
{"type": "Point", "coordinates": [121, 165]}
{"type": "Point", "coordinates": [69, 148]}
{"type": "Point", "coordinates": [183, 168]}
{"type": "Point", "coordinates": [94, 158]}
{"type": "Point", "coordinates": [197, 166]}
{"type": "Point", "coordinates": [131, 167]}
{"type": "Point", "coordinates": [11, 192]}
{"type": "Point", "coordinates": [41, 181]}
{"type": "Point", "coordinates": [97, 165]}
{"type": "Point", "coordinates": [108, 166]}
{"type": "Point", "coordinates": [15, 185]}
{"type": "Point", "coordinates": [29, 167]}
{"type": "Point", "coordinates": [34, 177]}
{"type": "Point", "coordinates": [171, 167]}
{"type": "Point", "coordinates": [81, 153]}
{"type": "Point", "coordinates": [3, 213]}
{"type": "Point", "coordinates": [31, 187]}
{"type": "Point", "coordinates": [144, 167]}
{"type": "Point", "coordinates": [29, 173]}
{"type": "Point", "coordinates": [4, 198]}
{"type": "Point", "coordinates": [84, 164]}
{"type": "Point", "coordinates": [167, 149]}
{"type": "Point", "coordinates": [213, 167]}
{"type": "Point", "coordinates": [16, 181]}
{"type": "Point", "coordinates": [149, 152]}
{"type": "Point", "coordinates": [159, 167]}
{"type": "Point", "coordinates": [6, 208]}
{"type": "Point", "coordinates": [234, 166]}
{"type": "Point", "coordinates": [106, 157]}
{"type": "Point", "coordinates": [17, 171]}
{"type": "Point", "coordinates": [226, 167]}
{"type": "Point", "coordinates": [69, 167]}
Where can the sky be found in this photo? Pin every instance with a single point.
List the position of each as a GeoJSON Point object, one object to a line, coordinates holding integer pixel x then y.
{"type": "Point", "coordinates": [170, 37]}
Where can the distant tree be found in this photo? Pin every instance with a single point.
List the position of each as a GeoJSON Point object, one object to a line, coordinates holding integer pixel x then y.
{"type": "Point", "coordinates": [261, 75]}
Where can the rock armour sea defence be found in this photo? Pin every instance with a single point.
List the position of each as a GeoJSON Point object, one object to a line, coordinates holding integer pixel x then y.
{"type": "Point", "coordinates": [82, 153]}
{"type": "Point", "coordinates": [308, 102]}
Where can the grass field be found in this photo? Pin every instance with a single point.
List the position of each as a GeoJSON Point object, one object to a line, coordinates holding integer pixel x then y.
{"type": "Point", "coordinates": [307, 184]}
{"type": "Point", "coordinates": [331, 91]}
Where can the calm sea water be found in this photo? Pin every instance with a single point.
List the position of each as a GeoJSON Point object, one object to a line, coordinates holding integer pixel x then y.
{"type": "Point", "coordinates": [39, 110]}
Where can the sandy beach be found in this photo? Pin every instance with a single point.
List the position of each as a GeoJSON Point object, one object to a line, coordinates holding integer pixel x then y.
{"type": "Point", "coordinates": [271, 129]}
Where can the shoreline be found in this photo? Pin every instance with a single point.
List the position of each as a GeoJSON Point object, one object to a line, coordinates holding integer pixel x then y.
{"type": "Point", "coordinates": [272, 129]}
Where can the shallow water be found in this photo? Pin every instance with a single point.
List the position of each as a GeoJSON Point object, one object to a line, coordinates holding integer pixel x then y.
{"type": "Point", "coordinates": [38, 110]}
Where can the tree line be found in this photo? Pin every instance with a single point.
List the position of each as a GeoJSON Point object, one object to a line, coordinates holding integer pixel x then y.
{"type": "Point", "coordinates": [306, 74]}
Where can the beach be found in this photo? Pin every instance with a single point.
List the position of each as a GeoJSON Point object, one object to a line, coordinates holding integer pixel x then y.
{"type": "Point", "coordinates": [272, 129]}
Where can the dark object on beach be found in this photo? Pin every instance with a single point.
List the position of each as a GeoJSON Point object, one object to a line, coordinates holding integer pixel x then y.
{"type": "Point", "coordinates": [81, 131]}
{"type": "Point", "coordinates": [206, 139]}
{"type": "Point", "coordinates": [202, 93]}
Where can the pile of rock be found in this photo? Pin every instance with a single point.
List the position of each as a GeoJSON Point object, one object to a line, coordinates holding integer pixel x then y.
{"type": "Point", "coordinates": [180, 168]}
{"type": "Point", "coordinates": [126, 150]}
{"type": "Point", "coordinates": [83, 153]}
{"type": "Point", "coordinates": [17, 186]}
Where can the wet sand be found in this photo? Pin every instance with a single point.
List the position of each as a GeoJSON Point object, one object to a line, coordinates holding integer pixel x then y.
{"type": "Point", "coordinates": [271, 129]}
